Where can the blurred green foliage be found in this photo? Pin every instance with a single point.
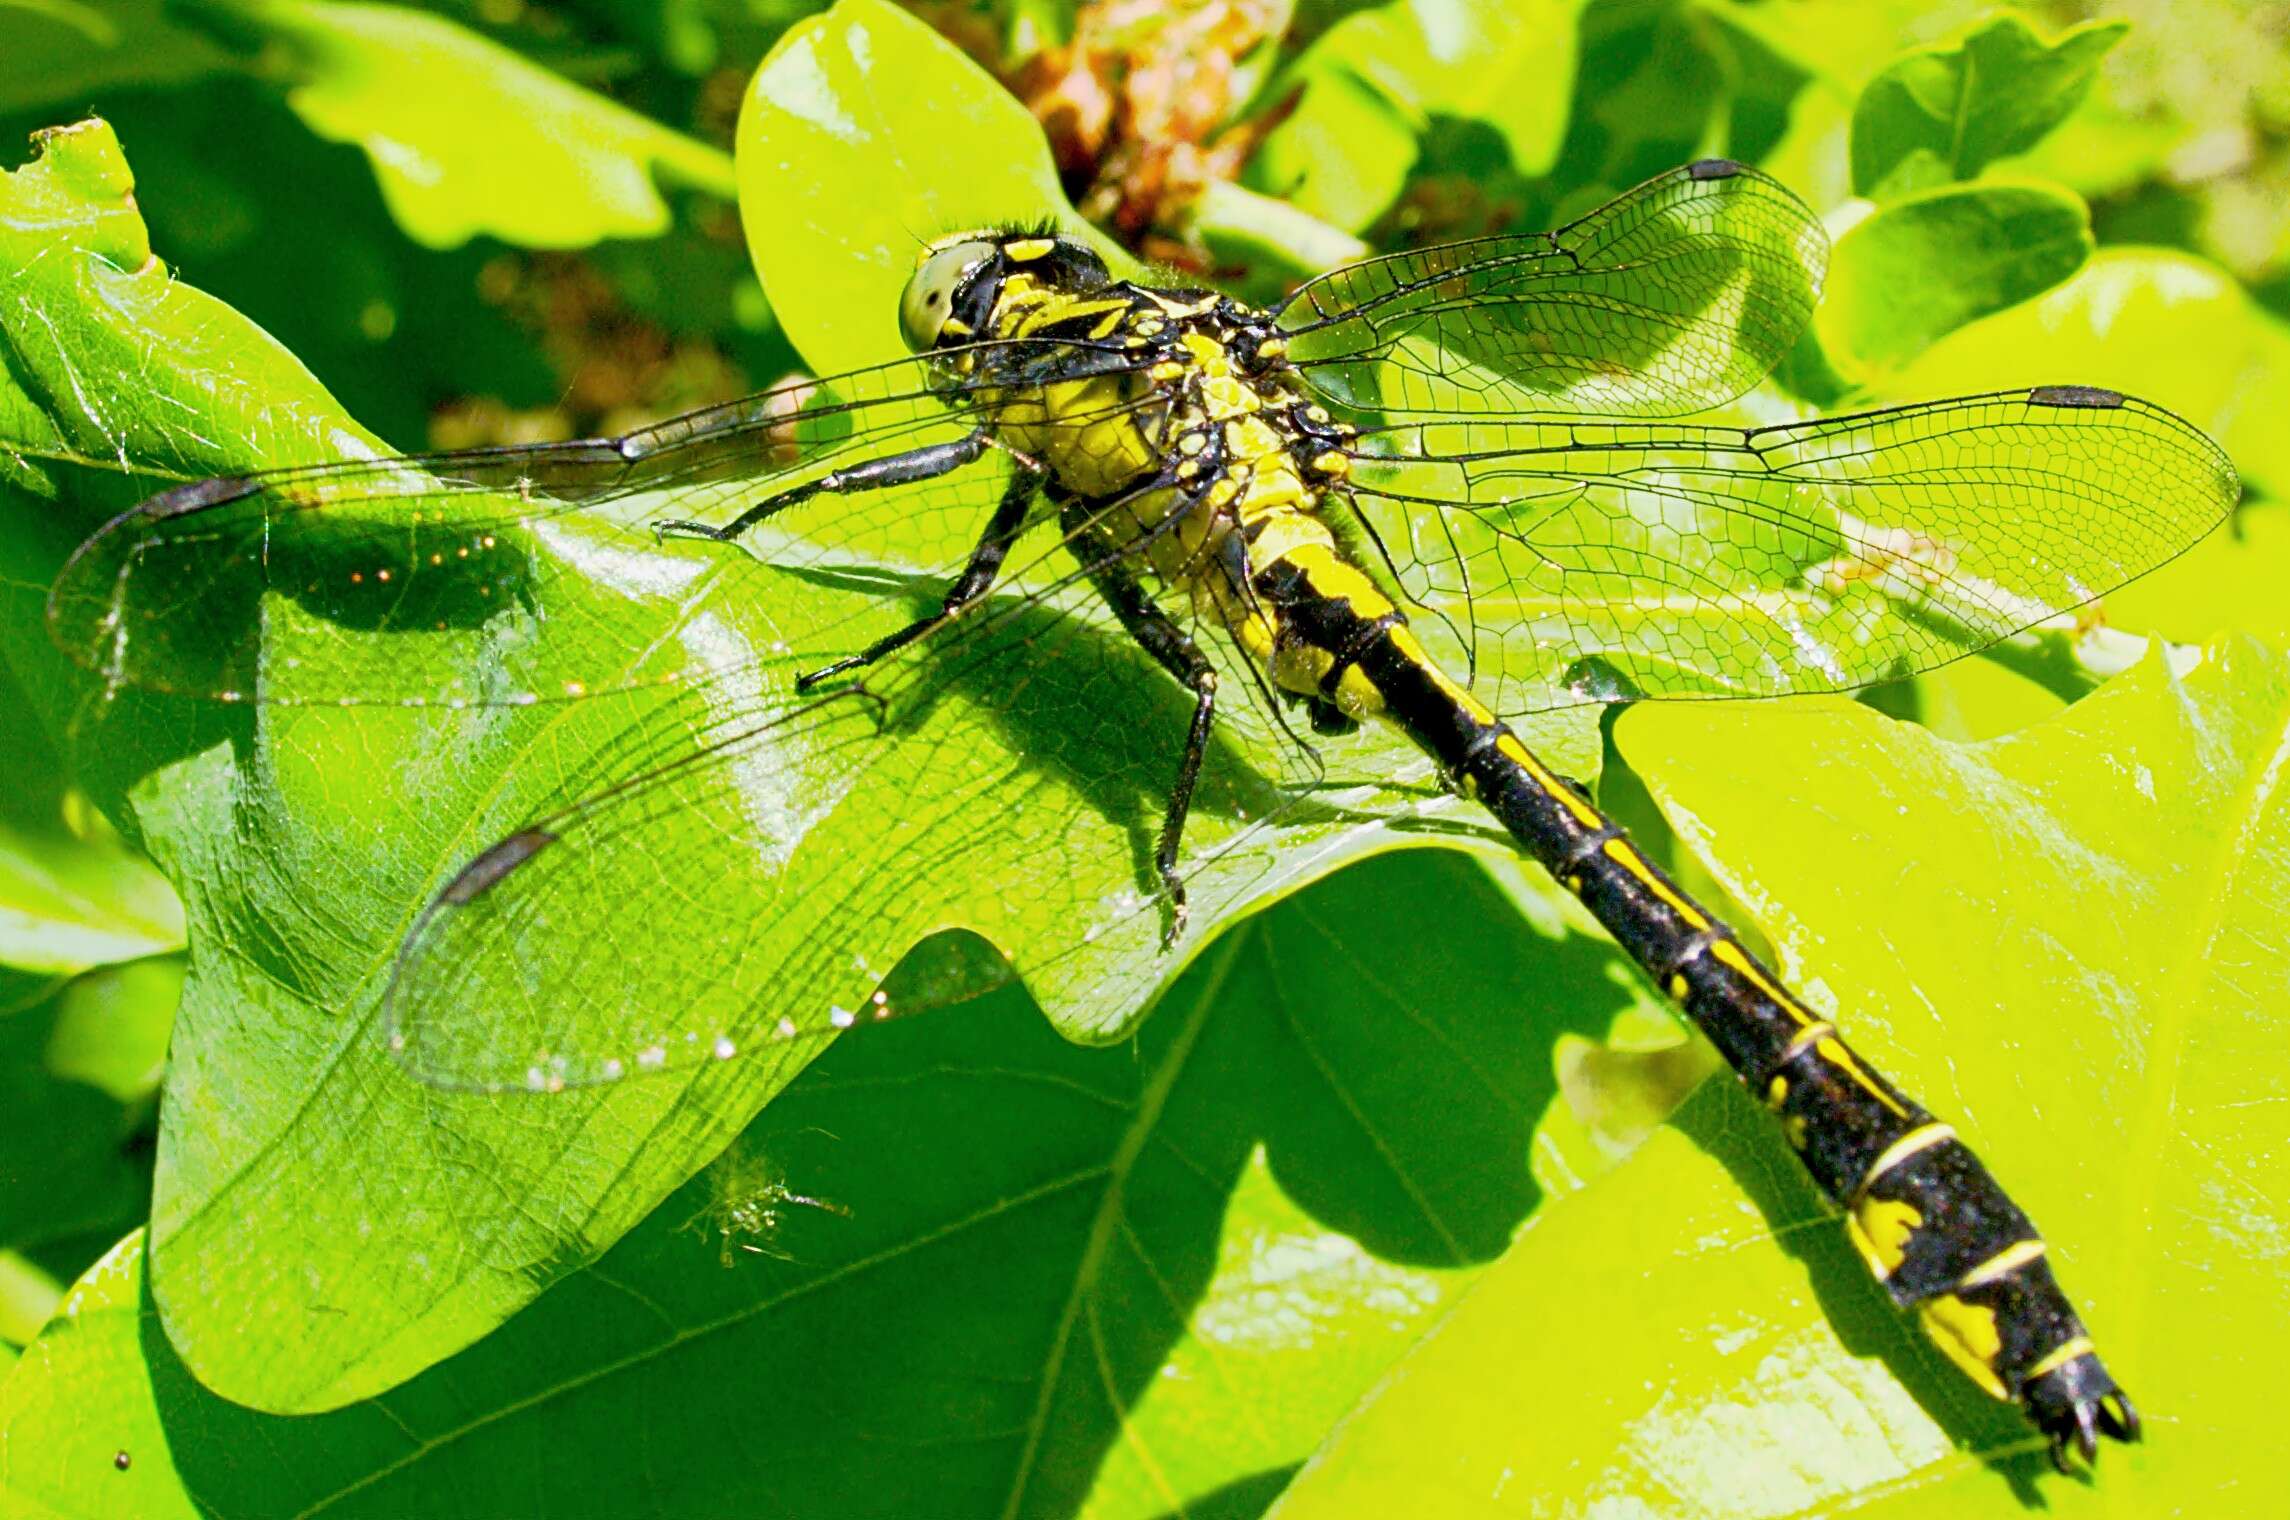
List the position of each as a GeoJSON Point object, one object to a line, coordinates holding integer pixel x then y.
{"type": "Point", "coordinates": [1946, 113]}
{"type": "Point", "coordinates": [1151, 1279]}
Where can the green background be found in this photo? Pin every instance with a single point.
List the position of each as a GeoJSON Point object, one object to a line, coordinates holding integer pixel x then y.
{"type": "Point", "coordinates": [1405, 1199]}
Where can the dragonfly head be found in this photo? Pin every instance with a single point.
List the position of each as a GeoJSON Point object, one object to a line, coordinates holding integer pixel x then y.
{"type": "Point", "coordinates": [959, 279]}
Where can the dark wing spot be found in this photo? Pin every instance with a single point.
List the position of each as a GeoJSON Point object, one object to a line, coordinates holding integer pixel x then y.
{"type": "Point", "coordinates": [2075, 395]}
{"type": "Point", "coordinates": [485, 872]}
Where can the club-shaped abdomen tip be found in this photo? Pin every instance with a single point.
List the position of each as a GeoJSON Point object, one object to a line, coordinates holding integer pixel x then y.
{"type": "Point", "coordinates": [2076, 1403]}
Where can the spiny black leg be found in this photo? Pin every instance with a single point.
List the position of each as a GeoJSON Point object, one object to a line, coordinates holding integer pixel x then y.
{"type": "Point", "coordinates": [875, 475]}
{"type": "Point", "coordinates": [1002, 530]}
{"type": "Point", "coordinates": [1161, 638]}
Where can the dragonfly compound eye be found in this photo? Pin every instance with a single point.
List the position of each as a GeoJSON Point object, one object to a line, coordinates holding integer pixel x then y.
{"type": "Point", "coordinates": [938, 285]}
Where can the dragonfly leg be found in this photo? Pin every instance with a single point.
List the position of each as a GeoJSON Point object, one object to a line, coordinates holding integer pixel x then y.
{"type": "Point", "coordinates": [1174, 649]}
{"type": "Point", "coordinates": [901, 469]}
{"type": "Point", "coordinates": [977, 576]}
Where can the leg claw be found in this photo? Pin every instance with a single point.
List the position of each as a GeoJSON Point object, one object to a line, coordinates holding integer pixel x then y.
{"type": "Point", "coordinates": [1178, 911]}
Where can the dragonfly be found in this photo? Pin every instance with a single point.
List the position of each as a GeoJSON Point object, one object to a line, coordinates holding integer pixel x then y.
{"type": "Point", "coordinates": [1425, 496]}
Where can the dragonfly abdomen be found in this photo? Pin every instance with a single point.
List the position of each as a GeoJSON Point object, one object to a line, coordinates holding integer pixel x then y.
{"type": "Point", "coordinates": [1931, 1222]}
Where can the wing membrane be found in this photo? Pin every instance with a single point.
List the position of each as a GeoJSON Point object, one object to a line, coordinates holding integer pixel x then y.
{"type": "Point", "coordinates": [468, 555]}
{"type": "Point", "coordinates": [1564, 562]}
{"type": "Point", "coordinates": [735, 867]}
{"type": "Point", "coordinates": [1673, 298]}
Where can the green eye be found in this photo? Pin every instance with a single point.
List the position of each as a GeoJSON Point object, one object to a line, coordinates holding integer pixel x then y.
{"type": "Point", "coordinates": [929, 297]}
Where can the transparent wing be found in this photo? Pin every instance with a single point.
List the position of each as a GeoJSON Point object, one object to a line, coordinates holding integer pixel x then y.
{"type": "Point", "coordinates": [1674, 297]}
{"type": "Point", "coordinates": [715, 850]}
{"type": "Point", "coordinates": [731, 855]}
{"type": "Point", "coordinates": [1563, 562]}
{"type": "Point", "coordinates": [511, 575]}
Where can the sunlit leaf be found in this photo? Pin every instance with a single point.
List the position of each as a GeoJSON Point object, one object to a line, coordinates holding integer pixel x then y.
{"type": "Point", "coordinates": [1946, 113]}
{"type": "Point", "coordinates": [469, 138]}
{"type": "Point", "coordinates": [79, 1433]}
{"type": "Point", "coordinates": [867, 95]}
{"type": "Point", "coordinates": [68, 903]}
{"type": "Point", "coordinates": [2151, 322]}
{"type": "Point", "coordinates": [1157, 1277]}
{"type": "Point", "coordinates": [1920, 268]}
{"type": "Point", "coordinates": [1118, 1282]}
{"type": "Point", "coordinates": [1372, 83]}
{"type": "Point", "coordinates": [418, 1219]}
{"type": "Point", "coordinates": [28, 1297]}
{"type": "Point", "coordinates": [112, 361]}
{"type": "Point", "coordinates": [2089, 988]}
{"type": "Point", "coordinates": [112, 1027]}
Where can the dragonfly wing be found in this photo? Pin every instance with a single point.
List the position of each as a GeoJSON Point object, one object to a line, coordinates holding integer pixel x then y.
{"type": "Point", "coordinates": [672, 856]}
{"type": "Point", "coordinates": [1576, 561]}
{"type": "Point", "coordinates": [736, 866]}
{"type": "Point", "coordinates": [1674, 297]}
{"type": "Point", "coordinates": [512, 575]}
{"type": "Point", "coordinates": [634, 928]}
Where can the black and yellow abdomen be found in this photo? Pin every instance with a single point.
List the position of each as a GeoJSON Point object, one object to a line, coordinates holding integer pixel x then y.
{"type": "Point", "coordinates": [1930, 1221]}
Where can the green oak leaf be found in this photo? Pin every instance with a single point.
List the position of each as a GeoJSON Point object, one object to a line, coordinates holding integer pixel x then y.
{"type": "Point", "coordinates": [1946, 113]}
{"type": "Point", "coordinates": [28, 1298]}
{"type": "Point", "coordinates": [1919, 268]}
{"type": "Point", "coordinates": [2229, 581]}
{"type": "Point", "coordinates": [2182, 332]}
{"type": "Point", "coordinates": [2090, 988]}
{"type": "Point", "coordinates": [70, 901]}
{"type": "Point", "coordinates": [112, 1027]}
{"type": "Point", "coordinates": [1121, 1282]}
{"type": "Point", "coordinates": [2151, 322]}
{"type": "Point", "coordinates": [866, 95]}
{"type": "Point", "coordinates": [73, 894]}
{"type": "Point", "coordinates": [1658, 85]}
{"type": "Point", "coordinates": [87, 379]}
{"type": "Point", "coordinates": [304, 839]}
{"type": "Point", "coordinates": [64, 53]}
{"type": "Point", "coordinates": [1372, 83]}
{"type": "Point", "coordinates": [79, 1431]}
{"type": "Point", "coordinates": [468, 138]}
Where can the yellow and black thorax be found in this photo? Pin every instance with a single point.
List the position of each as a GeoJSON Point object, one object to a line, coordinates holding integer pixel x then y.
{"type": "Point", "coordinates": [1173, 420]}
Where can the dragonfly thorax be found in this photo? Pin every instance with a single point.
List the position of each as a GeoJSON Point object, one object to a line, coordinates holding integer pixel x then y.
{"type": "Point", "coordinates": [1167, 424]}
{"type": "Point", "coordinates": [1175, 438]}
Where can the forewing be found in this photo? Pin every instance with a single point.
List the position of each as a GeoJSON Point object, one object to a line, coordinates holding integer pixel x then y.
{"type": "Point", "coordinates": [512, 575]}
{"type": "Point", "coordinates": [1672, 298]}
{"type": "Point", "coordinates": [1566, 562]}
